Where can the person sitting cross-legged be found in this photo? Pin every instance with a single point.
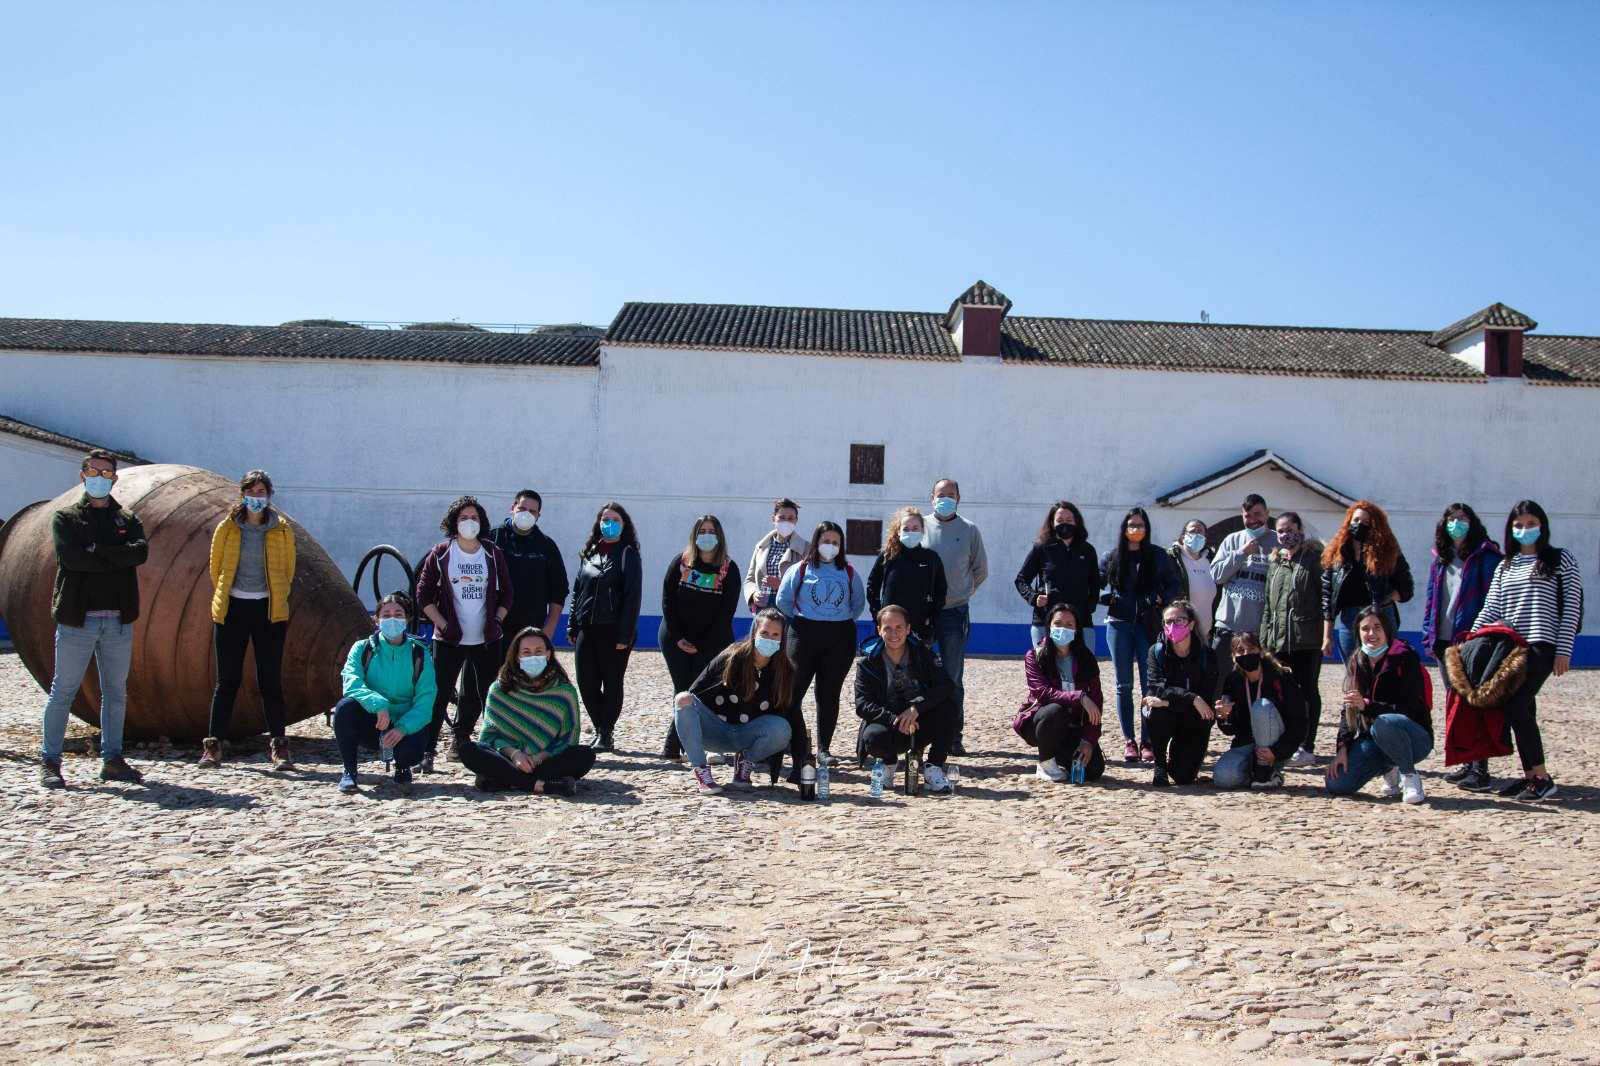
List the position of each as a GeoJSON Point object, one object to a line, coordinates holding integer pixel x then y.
{"type": "Point", "coordinates": [389, 689]}
{"type": "Point", "coordinates": [743, 704]}
{"type": "Point", "coordinates": [529, 738]}
{"type": "Point", "coordinates": [904, 699]}
{"type": "Point", "coordinates": [1262, 708]}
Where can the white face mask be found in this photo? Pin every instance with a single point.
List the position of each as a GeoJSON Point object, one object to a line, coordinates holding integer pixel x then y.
{"type": "Point", "coordinates": [524, 520]}
{"type": "Point", "coordinates": [784, 529]}
{"type": "Point", "coordinates": [468, 528]}
{"type": "Point", "coordinates": [827, 551]}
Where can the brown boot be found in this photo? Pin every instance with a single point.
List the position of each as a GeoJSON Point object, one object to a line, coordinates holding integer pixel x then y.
{"type": "Point", "coordinates": [210, 753]}
{"type": "Point", "coordinates": [280, 754]}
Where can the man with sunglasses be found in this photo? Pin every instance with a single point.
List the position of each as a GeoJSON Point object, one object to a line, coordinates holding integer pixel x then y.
{"type": "Point", "coordinates": [99, 548]}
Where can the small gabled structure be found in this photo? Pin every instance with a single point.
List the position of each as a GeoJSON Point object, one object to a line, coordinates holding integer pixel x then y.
{"type": "Point", "coordinates": [1489, 341]}
{"type": "Point", "coordinates": [974, 320]}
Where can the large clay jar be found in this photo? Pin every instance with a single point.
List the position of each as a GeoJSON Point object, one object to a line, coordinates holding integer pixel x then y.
{"type": "Point", "coordinates": [174, 667]}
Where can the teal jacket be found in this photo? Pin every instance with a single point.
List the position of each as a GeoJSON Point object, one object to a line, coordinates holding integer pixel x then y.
{"type": "Point", "coordinates": [386, 684]}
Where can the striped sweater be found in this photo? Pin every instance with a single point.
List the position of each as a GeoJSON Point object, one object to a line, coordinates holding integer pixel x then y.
{"type": "Point", "coordinates": [1526, 602]}
{"type": "Point", "coordinates": [530, 721]}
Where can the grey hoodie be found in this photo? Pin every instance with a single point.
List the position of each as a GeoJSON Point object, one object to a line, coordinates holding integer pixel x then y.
{"type": "Point", "coordinates": [1242, 580]}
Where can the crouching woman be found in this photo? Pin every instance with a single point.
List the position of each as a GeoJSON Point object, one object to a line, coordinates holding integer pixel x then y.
{"type": "Point", "coordinates": [1062, 715]}
{"type": "Point", "coordinates": [528, 740]}
{"type": "Point", "coordinates": [389, 689]}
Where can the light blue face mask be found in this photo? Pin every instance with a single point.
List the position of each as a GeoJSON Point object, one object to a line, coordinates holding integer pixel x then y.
{"type": "Point", "coordinates": [1526, 536]}
{"type": "Point", "coordinates": [1375, 653]}
{"type": "Point", "coordinates": [533, 665]}
{"type": "Point", "coordinates": [945, 506]}
{"type": "Point", "coordinates": [1457, 528]}
{"type": "Point", "coordinates": [1257, 533]}
{"type": "Point", "coordinates": [255, 504]}
{"type": "Point", "coordinates": [768, 646]}
{"type": "Point", "coordinates": [909, 539]}
{"type": "Point", "coordinates": [1061, 636]}
{"type": "Point", "coordinates": [98, 487]}
{"type": "Point", "coordinates": [1194, 542]}
{"type": "Point", "coordinates": [611, 529]}
{"type": "Point", "coordinates": [392, 628]}
{"type": "Point", "coordinates": [706, 542]}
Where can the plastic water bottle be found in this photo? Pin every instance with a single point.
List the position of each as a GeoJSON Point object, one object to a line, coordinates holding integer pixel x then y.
{"type": "Point", "coordinates": [822, 779]}
{"type": "Point", "coordinates": [879, 774]}
{"type": "Point", "coordinates": [1077, 770]}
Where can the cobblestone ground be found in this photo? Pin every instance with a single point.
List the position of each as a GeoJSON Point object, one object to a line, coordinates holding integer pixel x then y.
{"type": "Point", "coordinates": [240, 915]}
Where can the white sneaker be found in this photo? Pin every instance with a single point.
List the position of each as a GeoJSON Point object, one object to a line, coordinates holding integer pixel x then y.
{"type": "Point", "coordinates": [1303, 758]}
{"type": "Point", "coordinates": [938, 784]}
{"type": "Point", "coordinates": [1391, 783]}
{"type": "Point", "coordinates": [1412, 786]}
{"type": "Point", "coordinates": [1050, 770]}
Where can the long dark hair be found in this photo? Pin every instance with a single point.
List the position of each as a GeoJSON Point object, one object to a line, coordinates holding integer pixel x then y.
{"type": "Point", "coordinates": [1045, 654]}
{"type": "Point", "coordinates": [1146, 560]}
{"type": "Point", "coordinates": [511, 673]}
{"type": "Point", "coordinates": [1047, 532]}
{"type": "Point", "coordinates": [1549, 555]}
{"type": "Point", "coordinates": [813, 558]}
{"type": "Point", "coordinates": [1362, 665]}
{"type": "Point", "coordinates": [626, 538]}
{"type": "Point", "coordinates": [739, 671]}
{"type": "Point", "coordinates": [252, 478]}
{"type": "Point", "coordinates": [1444, 546]}
{"type": "Point", "coordinates": [691, 554]}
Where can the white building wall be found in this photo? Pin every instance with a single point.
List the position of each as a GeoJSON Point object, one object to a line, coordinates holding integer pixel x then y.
{"type": "Point", "coordinates": [32, 470]}
{"type": "Point", "coordinates": [370, 452]}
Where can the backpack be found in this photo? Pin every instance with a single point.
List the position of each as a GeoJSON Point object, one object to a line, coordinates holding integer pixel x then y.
{"type": "Point", "coordinates": [800, 579]}
{"type": "Point", "coordinates": [419, 656]}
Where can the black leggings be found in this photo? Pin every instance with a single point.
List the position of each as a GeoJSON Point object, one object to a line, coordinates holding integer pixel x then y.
{"type": "Point", "coordinates": [1523, 707]}
{"type": "Point", "coordinates": [497, 771]}
{"type": "Point", "coordinates": [685, 668]}
{"type": "Point", "coordinates": [1057, 731]}
{"type": "Point", "coordinates": [1306, 666]}
{"type": "Point", "coordinates": [824, 651]}
{"type": "Point", "coordinates": [936, 727]}
{"type": "Point", "coordinates": [1180, 737]}
{"type": "Point", "coordinates": [248, 623]}
{"type": "Point", "coordinates": [600, 671]}
{"type": "Point", "coordinates": [448, 660]}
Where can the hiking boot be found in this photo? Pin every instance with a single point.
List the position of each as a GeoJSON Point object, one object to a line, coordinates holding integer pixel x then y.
{"type": "Point", "coordinates": [705, 782]}
{"type": "Point", "coordinates": [117, 769]}
{"type": "Point", "coordinates": [278, 751]}
{"type": "Point", "coordinates": [210, 754]}
{"type": "Point", "coordinates": [50, 774]}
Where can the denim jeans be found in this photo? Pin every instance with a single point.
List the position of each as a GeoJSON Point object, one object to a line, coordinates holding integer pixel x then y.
{"type": "Point", "coordinates": [110, 644]}
{"type": "Point", "coordinates": [698, 729]}
{"type": "Point", "coordinates": [950, 628]}
{"type": "Point", "coordinates": [1345, 637]}
{"type": "Point", "coordinates": [1235, 767]}
{"type": "Point", "coordinates": [1394, 740]}
{"type": "Point", "coordinates": [1129, 644]}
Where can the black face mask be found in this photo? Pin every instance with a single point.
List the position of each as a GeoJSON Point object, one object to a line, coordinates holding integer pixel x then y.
{"type": "Point", "coordinates": [1358, 530]}
{"type": "Point", "coordinates": [1248, 663]}
{"type": "Point", "coordinates": [1066, 530]}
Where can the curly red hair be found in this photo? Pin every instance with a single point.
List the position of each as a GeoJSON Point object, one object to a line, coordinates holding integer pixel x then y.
{"type": "Point", "coordinates": [1381, 550]}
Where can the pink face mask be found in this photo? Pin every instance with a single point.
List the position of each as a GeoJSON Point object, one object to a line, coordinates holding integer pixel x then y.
{"type": "Point", "coordinates": [1176, 631]}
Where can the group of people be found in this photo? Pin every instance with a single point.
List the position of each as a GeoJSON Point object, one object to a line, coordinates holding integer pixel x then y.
{"type": "Point", "coordinates": [1233, 636]}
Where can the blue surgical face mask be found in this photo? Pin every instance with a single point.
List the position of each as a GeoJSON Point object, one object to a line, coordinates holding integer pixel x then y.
{"type": "Point", "coordinates": [1375, 652]}
{"type": "Point", "coordinates": [98, 487]}
{"type": "Point", "coordinates": [391, 627]}
{"type": "Point", "coordinates": [1525, 535]}
{"type": "Point", "coordinates": [255, 504]}
{"type": "Point", "coordinates": [533, 665]}
{"type": "Point", "coordinates": [768, 646]}
{"type": "Point", "coordinates": [611, 529]}
{"type": "Point", "coordinates": [706, 542]}
{"type": "Point", "coordinates": [1061, 636]}
{"type": "Point", "coordinates": [910, 539]}
{"type": "Point", "coordinates": [1257, 533]}
{"type": "Point", "coordinates": [1195, 542]}
{"type": "Point", "coordinates": [945, 506]}
{"type": "Point", "coordinates": [1457, 528]}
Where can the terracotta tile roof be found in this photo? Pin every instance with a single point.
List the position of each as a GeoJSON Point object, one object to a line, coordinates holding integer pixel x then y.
{"type": "Point", "coordinates": [27, 431]}
{"type": "Point", "coordinates": [1553, 359]}
{"type": "Point", "coordinates": [820, 330]}
{"type": "Point", "coordinates": [300, 342]}
{"type": "Point", "coordinates": [1495, 315]}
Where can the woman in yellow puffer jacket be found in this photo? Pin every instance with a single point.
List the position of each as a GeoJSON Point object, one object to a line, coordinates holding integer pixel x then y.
{"type": "Point", "coordinates": [252, 567]}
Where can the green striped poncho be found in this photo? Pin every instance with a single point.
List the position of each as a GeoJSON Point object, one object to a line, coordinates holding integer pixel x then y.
{"type": "Point", "coordinates": [530, 721]}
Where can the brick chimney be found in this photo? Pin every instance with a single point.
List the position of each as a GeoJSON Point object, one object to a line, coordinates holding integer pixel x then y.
{"type": "Point", "coordinates": [974, 320]}
{"type": "Point", "coordinates": [1489, 341]}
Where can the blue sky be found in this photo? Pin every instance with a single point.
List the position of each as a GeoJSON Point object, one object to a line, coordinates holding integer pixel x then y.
{"type": "Point", "coordinates": [1386, 165]}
